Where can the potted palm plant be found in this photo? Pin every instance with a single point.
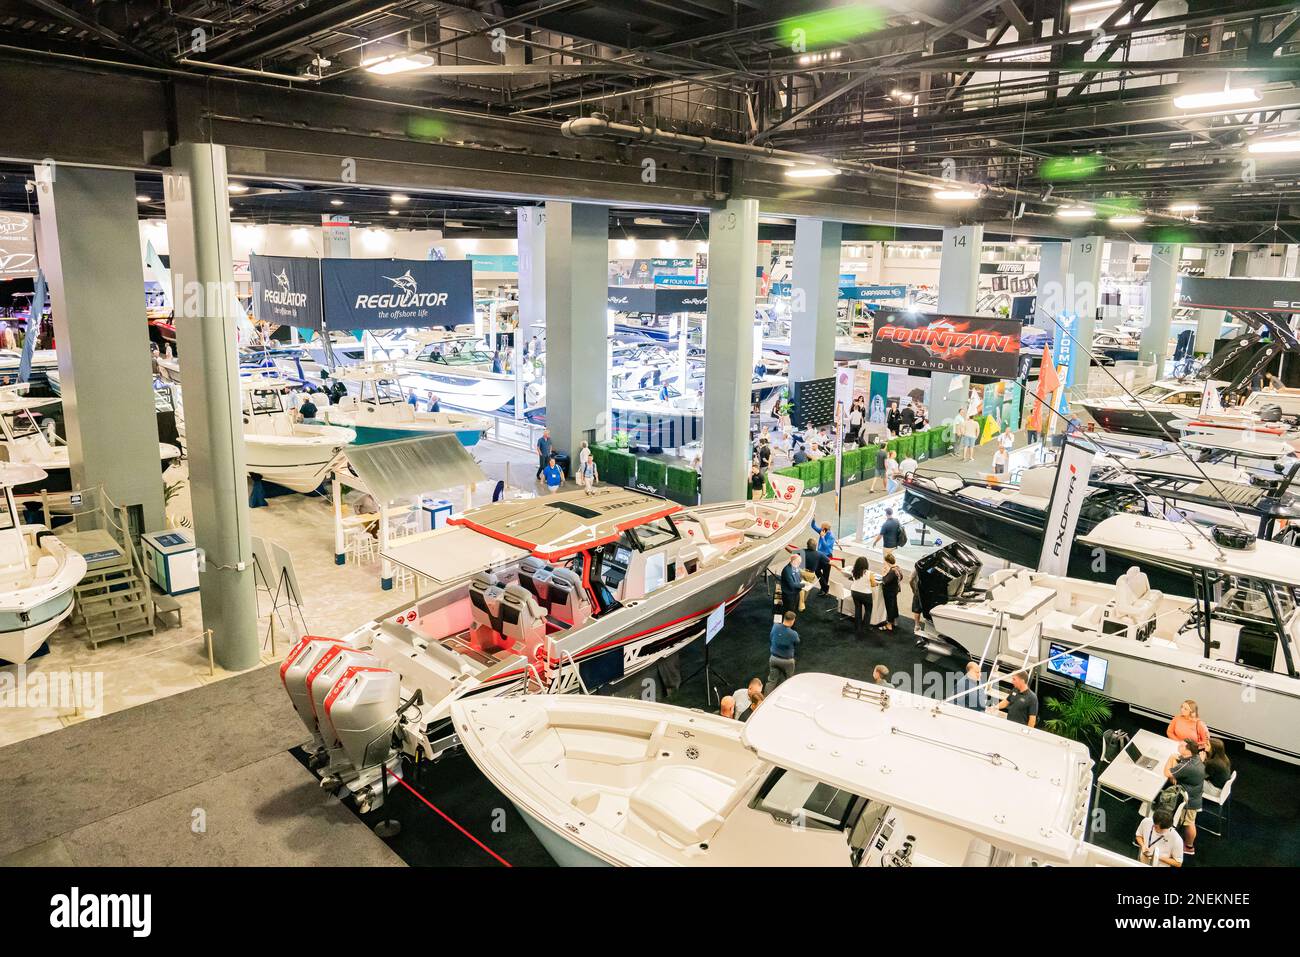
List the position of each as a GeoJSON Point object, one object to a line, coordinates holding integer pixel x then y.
{"type": "Point", "coordinates": [1078, 714]}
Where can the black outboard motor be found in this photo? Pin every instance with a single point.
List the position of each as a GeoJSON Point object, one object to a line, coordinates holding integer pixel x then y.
{"type": "Point", "coordinates": [1270, 413]}
{"type": "Point", "coordinates": [945, 575]}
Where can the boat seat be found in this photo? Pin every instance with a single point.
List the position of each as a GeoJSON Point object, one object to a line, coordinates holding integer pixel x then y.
{"type": "Point", "coordinates": [979, 853]}
{"type": "Point", "coordinates": [605, 747]}
{"type": "Point", "coordinates": [523, 620]}
{"type": "Point", "coordinates": [530, 568]}
{"type": "Point", "coordinates": [47, 566]}
{"type": "Point", "coordinates": [1134, 607]}
{"type": "Point", "coordinates": [568, 599]}
{"type": "Point", "coordinates": [13, 553]}
{"type": "Point", "coordinates": [485, 597]}
{"type": "Point", "coordinates": [683, 804]}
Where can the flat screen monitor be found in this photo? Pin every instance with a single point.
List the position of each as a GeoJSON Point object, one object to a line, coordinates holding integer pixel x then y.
{"type": "Point", "coordinates": [622, 556]}
{"type": "Point", "coordinates": [1077, 666]}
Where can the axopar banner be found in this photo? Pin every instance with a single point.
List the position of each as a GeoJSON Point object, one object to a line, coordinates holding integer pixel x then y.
{"type": "Point", "coordinates": [397, 293]}
{"type": "Point", "coordinates": [286, 290]}
{"type": "Point", "coordinates": [964, 345]}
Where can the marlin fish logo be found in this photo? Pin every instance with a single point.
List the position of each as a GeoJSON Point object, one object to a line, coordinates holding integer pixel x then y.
{"type": "Point", "coordinates": [405, 282]}
{"type": "Point", "coordinates": [282, 279]}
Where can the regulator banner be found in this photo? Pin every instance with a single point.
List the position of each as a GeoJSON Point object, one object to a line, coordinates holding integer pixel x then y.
{"type": "Point", "coordinates": [963, 345]}
{"type": "Point", "coordinates": [394, 293]}
{"type": "Point", "coordinates": [17, 246]}
{"type": "Point", "coordinates": [1073, 468]}
{"type": "Point", "coordinates": [286, 290]}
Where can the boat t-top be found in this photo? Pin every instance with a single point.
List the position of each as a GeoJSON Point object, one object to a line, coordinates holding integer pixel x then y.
{"type": "Point", "coordinates": [561, 593]}
{"type": "Point", "coordinates": [1233, 646]}
{"type": "Point", "coordinates": [37, 573]}
{"type": "Point", "coordinates": [297, 455]}
{"type": "Point", "coordinates": [826, 772]}
{"type": "Point", "coordinates": [379, 409]}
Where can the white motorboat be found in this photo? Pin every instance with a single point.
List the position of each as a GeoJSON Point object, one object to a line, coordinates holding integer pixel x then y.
{"type": "Point", "coordinates": [454, 372]}
{"type": "Point", "coordinates": [297, 455]}
{"type": "Point", "coordinates": [827, 772]}
{"type": "Point", "coordinates": [1238, 634]}
{"type": "Point", "coordinates": [26, 442]}
{"type": "Point", "coordinates": [562, 593]}
{"type": "Point", "coordinates": [37, 574]}
{"type": "Point", "coordinates": [378, 409]}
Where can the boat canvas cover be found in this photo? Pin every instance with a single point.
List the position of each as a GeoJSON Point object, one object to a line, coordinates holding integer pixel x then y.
{"type": "Point", "coordinates": [407, 468]}
{"type": "Point", "coordinates": [1178, 544]}
{"type": "Point", "coordinates": [1017, 787]}
{"type": "Point", "coordinates": [451, 553]}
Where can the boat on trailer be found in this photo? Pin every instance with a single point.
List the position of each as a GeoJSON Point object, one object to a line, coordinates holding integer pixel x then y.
{"type": "Point", "coordinates": [1233, 645]}
{"type": "Point", "coordinates": [557, 594]}
{"type": "Point", "coordinates": [37, 574]}
{"type": "Point", "coordinates": [826, 772]}
{"type": "Point", "coordinates": [379, 409]}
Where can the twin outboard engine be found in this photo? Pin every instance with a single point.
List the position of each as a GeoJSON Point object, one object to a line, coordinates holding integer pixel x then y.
{"type": "Point", "coordinates": [349, 703]}
{"type": "Point", "coordinates": [945, 575]}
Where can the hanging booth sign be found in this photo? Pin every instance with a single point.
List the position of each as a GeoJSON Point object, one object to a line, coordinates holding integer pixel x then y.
{"type": "Point", "coordinates": [963, 345]}
{"type": "Point", "coordinates": [1258, 295]}
{"type": "Point", "coordinates": [286, 290]}
{"type": "Point", "coordinates": [635, 299]}
{"type": "Point", "coordinates": [394, 293]}
{"type": "Point", "coordinates": [852, 293]}
{"type": "Point", "coordinates": [657, 301]}
{"type": "Point", "coordinates": [17, 246]}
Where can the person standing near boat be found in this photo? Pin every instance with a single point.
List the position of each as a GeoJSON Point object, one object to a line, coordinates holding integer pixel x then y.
{"type": "Point", "coordinates": [860, 589]}
{"type": "Point", "coordinates": [1188, 770]}
{"type": "Point", "coordinates": [1034, 423]}
{"type": "Point", "coordinates": [307, 411]}
{"type": "Point", "coordinates": [791, 584]}
{"type": "Point", "coordinates": [1021, 705]}
{"type": "Point", "coordinates": [970, 689]}
{"type": "Point", "coordinates": [554, 477]}
{"type": "Point", "coordinates": [889, 586]}
{"type": "Point", "coordinates": [543, 451]}
{"type": "Point", "coordinates": [781, 649]}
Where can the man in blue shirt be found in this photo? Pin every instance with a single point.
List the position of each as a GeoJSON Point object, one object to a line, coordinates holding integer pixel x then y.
{"type": "Point", "coordinates": [888, 533]}
{"type": "Point", "coordinates": [543, 451]}
{"type": "Point", "coordinates": [825, 540]}
{"type": "Point", "coordinates": [554, 477]}
{"type": "Point", "coordinates": [784, 639]}
{"type": "Point", "coordinates": [970, 693]}
{"type": "Point", "coordinates": [791, 584]}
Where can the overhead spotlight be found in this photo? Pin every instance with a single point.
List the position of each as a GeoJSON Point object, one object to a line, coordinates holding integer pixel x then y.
{"type": "Point", "coordinates": [1092, 6]}
{"type": "Point", "coordinates": [1183, 207]}
{"type": "Point", "coordinates": [236, 188]}
{"type": "Point", "coordinates": [321, 63]}
{"type": "Point", "coordinates": [1127, 219]}
{"type": "Point", "coordinates": [1076, 212]}
{"type": "Point", "coordinates": [399, 198]}
{"type": "Point", "coordinates": [1224, 97]}
{"type": "Point", "coordinates": [811, 172]}
{"type": "Point", "coordinates": [1290, 144]}
{"type": "Point", "coordinates": [143, 199]}
{"type": "Point", "coordinates": [336, 202]}
{"type": "Point", "coordinates": [392, 212]}
{"type": "Point", "coordinates": [403, 63]}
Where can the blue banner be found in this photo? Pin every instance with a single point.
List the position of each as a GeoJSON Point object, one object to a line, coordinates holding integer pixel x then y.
{"type": "Point", "coordinates": [676, 281]}
{"type": "Point", "coordinates": [505, 262]}
{"type": "Point", "coordinates": [286, 290]}
{"type": "Point", "coordinates": [395, 293]}
{"type": "Point", "coordinates": [859, 293]}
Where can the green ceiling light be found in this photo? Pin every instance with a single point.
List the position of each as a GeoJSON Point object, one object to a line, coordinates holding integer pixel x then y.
{"type": "Point", "coordinates": [829, 27]}
{"type": "Point", "coordinates": [1070, 167]}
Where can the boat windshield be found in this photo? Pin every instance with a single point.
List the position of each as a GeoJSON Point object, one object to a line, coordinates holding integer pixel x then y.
{"type": "Point", "coordinates": [1154, 392]}
{"type": "Point", "coordinates": [21, 423]}
{"type": "Point", "coordinates": [661, 531]}
{"type": "Point", "coordinates": [386, 392]}
{"type": "Point", "coordinates": [8, 514]}
{"type": "Point", "coordinates": [264, 401]}
{"type": "Point", "coordinates": [799, 801]}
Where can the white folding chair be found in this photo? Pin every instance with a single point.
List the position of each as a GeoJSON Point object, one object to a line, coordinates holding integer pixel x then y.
{"type": "Point", "coordinates": [1219, 798]}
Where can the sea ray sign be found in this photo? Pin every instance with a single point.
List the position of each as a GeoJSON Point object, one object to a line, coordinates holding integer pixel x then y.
{"type": "Point", "coordinates": [396, 293]}
{"type": "Point", "coordinates": [286, 290]}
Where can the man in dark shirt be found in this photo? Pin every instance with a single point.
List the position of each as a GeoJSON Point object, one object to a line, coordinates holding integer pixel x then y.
{"type": "Point", "coordinates": [780, 663]}
{"type": "Point", "coordinates": [1021, 705]}
{"type": "Point", "coordinates": [1187, 768]}
{"type": "Point", "coordinates": [308, 409]}
{"type": "Point", "coordinates": [818, 564]}
{"type": "Point", "coordinates": [543, 451]}
{"type": "Point", "coordinates": [800, 455]}
{"type": "Point", "coordinates": [791, 584]}
{"type": "Point", "coordinates": [888, 533]}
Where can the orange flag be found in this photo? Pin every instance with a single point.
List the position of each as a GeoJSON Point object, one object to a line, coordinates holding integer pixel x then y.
{"type": "Point", "coordinates": [1048, 380]}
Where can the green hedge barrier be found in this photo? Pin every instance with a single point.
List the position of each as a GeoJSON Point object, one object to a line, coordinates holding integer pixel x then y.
{"type": "Point", "coordinates": [921, 445]}
{"type": "Point", "coordinates": [620, 469]}
{"type": "Point", "coordinates": [683, 484]}
{"type": "Point", "coordinates": [906, 447]}
{"type": "Point", "coordinates": [851, 467]}
{"type": "Point", "coordinates": [653, 473]}
{"type": "Point", "coordinates": [940, 441]}
{"type": "Point", "coordinates": [600, 455]}
{"type": "Point", "coordinates": [810, 473]}
{"type": "Point", "coordinates": [827, 465]}
{"type": "Point", "coordinates": [868, 468]}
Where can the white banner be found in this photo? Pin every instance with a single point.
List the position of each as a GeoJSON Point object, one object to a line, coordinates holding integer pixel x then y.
{"type": "Point", "coordinates": [787, 489]}
{"type": "Point", "coordinates": [17, 246]}
{"type": "Point", "coordinates": [1074, 464]}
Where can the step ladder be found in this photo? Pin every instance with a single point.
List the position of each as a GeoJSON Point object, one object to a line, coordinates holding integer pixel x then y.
{"type": "Point", "coordinates": [114, 601]}
{"type": "Point", "coordinates": [1001, 665]}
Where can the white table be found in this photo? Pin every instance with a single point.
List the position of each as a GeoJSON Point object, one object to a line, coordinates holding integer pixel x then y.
{"type": "Point", "coordinates": [1124, 778]}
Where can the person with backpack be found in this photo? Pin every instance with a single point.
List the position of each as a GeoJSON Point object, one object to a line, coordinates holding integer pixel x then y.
{"type": "Point", "coordinates": [891, 534]}
{"type": "Point", "coordinates": [1159, 843]}
{"type": "Point", "coordinates": [1187, 770]}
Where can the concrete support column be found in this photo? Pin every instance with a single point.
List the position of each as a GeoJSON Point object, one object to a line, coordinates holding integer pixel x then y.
{"type": "Point", "coordinates": [1291, 264]}
{"type": "Point", "coordinates": [576, 284]}
{"type": "Point", "coordinates": [1051, 282]}
{"type": "Point", "coordinates": [959, 274]}
{"type": "Point", "coordinates": [207, 312]}
{"type": "Point", "coordinates": [1118, 266]}
{"type": "Point", "coordinates": [814, 295]}
{"type": "Point", "coordinates": [729, 349]}
{"type": "Point", "coordinates": [1260, 263]}
{"type": "Point", "coordinates": [91, 259]}
{"type": "Point", "coordinates": [531, 221]}
{"type": "Point", "coordinates": [1084, 279]}
{"type": "Point", "coordinates": [1162, 279]}
{"type": "Point", "coordinates": [1218, 265]}
{"type": "Point", "coordinates": [876, 264]}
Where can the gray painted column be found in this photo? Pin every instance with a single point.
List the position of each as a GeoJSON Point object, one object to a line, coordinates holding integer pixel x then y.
{"type": "Point", "coordinates": [814, 295]}
{"type": "Point", "coordinates": [1118, 265]}
{"type": "Point", "coordinates": [531, 221]}
{"type": "Point", "coordinates": [198, 233]}
{"type": "Point", "coordinates": [577, 332]}
{"type": "Point", "coordinates": [1162, 279]}
{"type": "Point", "coordinates": [91, 257]}
{"type": "Point", "coordinates": [1261, 263]}
{"type": "Point", "coordinates": [959, 273]}
{"type": "Point", "coordinates": [729, 349]}
{"type": "Point", "coordinates": [1084, 280]}
{"type": "Point", "coordinates": [1218, 264]}
{"type": "Point", "coordinates": [1051, 281]}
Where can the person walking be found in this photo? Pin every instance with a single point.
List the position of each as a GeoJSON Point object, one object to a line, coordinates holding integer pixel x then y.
{"type": "Point", "coordinates": [890, 534]}
{"type": "Point", "coordinates": [891, 473]}
{"type": "Point", "coordinates": [587, 474]}
{"type": "Point", "coordinates": [882, 457]}
{"type": "Point", "coordinates": [553, 476]}
{"type": "Point", "coordinates": [889, 586]}
{"type": "Point", "coordinates": [781, 650]}
{"type": "Point", "coordinates": [860, 589]}
{"type": "Point", "coordinates": [969, 438]}
{"type": "Point", "coordinates": [791, 584]}
{"type": "Point", "coordinates": [543, 451]}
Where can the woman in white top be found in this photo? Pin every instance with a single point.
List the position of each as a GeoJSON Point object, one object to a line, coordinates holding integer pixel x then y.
{"type": "Point", "coordinates": [860, 589]}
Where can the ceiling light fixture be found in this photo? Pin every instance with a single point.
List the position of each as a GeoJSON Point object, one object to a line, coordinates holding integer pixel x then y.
{"type": "Point", "coordinates": [811, 172]}
{"type": "Point", "coordinates": [1076, 212]}
{"type": "Point", "coordinates": [399, 198]}
{"type": "Point", "coordinates": [236, 188]}
{"type": "Point", "coordinates": [1127, 219]}
{"type": "Point", "coordinates": [1092, 6]}
{"type": "Point", "coordinates": [1184, 207]}
{"type": "Point", "coordinates": [1290, 144]}
{"type": "Point", "coordinates": [143, 199]}
{"type": "Point", "coordinates": [397, 63]}
{"type": "Point", "coordinates": [336, 202]}
{"type": "Point", "coordinates": [956, 195]}
{"type": "Point", "coordinates": [1224, 97]}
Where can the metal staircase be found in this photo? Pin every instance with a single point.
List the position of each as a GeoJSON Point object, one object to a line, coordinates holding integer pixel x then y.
{"type": "Point", "coordinates": [113, 600]}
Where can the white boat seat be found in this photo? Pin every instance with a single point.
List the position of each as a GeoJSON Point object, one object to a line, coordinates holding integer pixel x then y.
{"type": "Point", "coordinates": [568, 599]}
{"type": "Point", "coordinates": [13, 553]}
{"type": "Point", "coordinates": [683, 804]}
{"type": "Point", "coordinates": [529, 568]}
{"type": "Point", "coordinates": [47, 566]}
{"type": "Point", "coordinates": [604, 747]}
{"type": "Point", "coordinates": [1037, 482]}
{"type": "Point", "coordinates": [523, 620]}
{"type": "Point", "coordinates": [1134, 606]}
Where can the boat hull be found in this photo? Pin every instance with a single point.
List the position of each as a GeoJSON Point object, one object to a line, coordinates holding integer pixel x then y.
{"type": "Point", "coordinates": [372, 434]}
{"type": "Point", "coordinates": [562, 851]}
{"type": "Point", "coordinates": [473, 393]}
{"type": "Point", "coordinates": [1134, 421]}
{"type": "Point", "coordinates": [20, 639]}
{"type": "Point", "coordinates": [300, 466]}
